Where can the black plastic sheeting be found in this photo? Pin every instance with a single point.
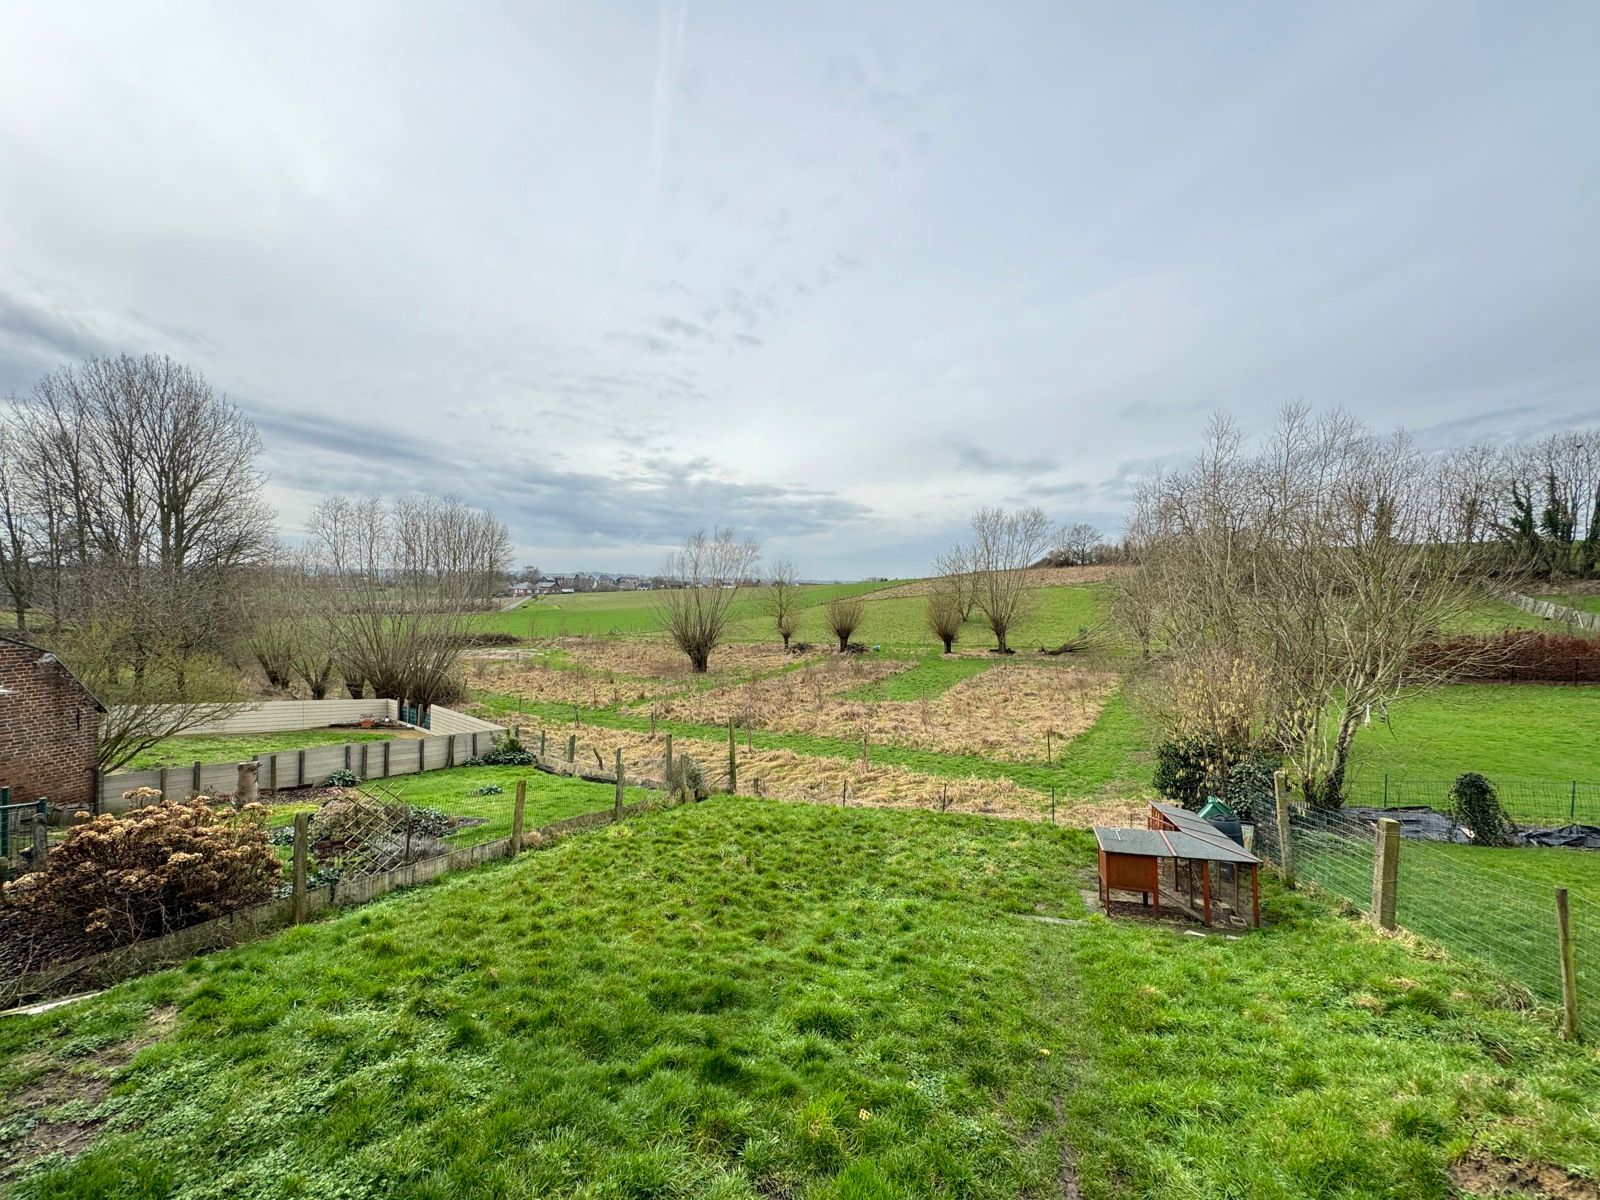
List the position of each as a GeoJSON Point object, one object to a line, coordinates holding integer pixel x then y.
{"type": "Point", "coordinates": [1430, 825]}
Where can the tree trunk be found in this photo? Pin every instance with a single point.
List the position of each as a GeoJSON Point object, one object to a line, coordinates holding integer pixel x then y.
{"type": "Point", "coordinates": [949, 640]}
{"type": "Point", "coordinates": [786, 641]}
{"type": "Point", "coordinates": [844, 642]}
{"type": "Point", "coordinates": [699, 661]}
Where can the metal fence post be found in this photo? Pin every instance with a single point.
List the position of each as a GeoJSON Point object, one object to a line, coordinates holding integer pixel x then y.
{"type": "Point", "coordinates": [1280, 795]}
{"type": "Point", "coordinates": [1569, 969]}
{"type": "Point", "coordinates": [302, 852]}
{"type": "Point", "coordinates": [1385, 872]}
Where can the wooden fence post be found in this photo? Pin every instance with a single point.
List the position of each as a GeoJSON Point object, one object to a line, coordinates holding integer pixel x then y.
{"type": "Point", "coordinates": [302, 852]}
{"type": "Point", "coordinates": [517, 813]}
{"type": "Point", "coordinates": [620, 785]}
{"type": "Point", "coordinates": [450, 752]}
{"type": "Point", "coordinates": [347, 756]}
{"type": "Point", "coordinates": [365, 771]}
{"type": "Point", "coordinates": [194, 781]}
{"type": "Point", "coordinates": [1570, 1028]}
{"type": "Point", "coordinates": [300, 769]}
{"type": "Point", "coordinates": [1280, 794]}
{"type": "Point", "coordinates": [572, 748]}
{"type": "Point", "coordinates": [41, 834]}
{"type": "Point", "coordinates": [667, 778]}
{"type": "Point", "coordinates": [1385, 872]}
{"type": "Point", "coordinates": [733, 760]}
{"type": "Point", "coordinates": [166, 786]}
{"type": "Point", "coordinates": [541, 742]}
{"type": "Point", "coordinates": [386, 746]}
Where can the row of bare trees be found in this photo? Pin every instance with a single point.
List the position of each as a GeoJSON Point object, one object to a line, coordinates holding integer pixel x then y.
{"type": "Point", "coordinates": [136, 542]}
{"type": "Point", "coordinates": [1539, 500]}
{"type": "Point", "coordinates": [131, 513]}
{"type": "Point", "coordinates": [990, 574]}
{"type": "Point", "coordinates": [1286, 586]}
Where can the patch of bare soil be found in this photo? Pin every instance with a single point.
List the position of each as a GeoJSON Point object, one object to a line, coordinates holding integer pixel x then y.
{"type": "Point", "coordinates": [1004, 713]}
{"type": "Point", "coordinates": [1040, 577]}
{"type": "Point", "coordinates": [81, 1084]}
{"type": "Point", "coordinates": [1486, 1175]}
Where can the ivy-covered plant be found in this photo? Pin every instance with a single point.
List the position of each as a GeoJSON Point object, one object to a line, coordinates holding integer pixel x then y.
{"type": "Point", "coordinates": [341, 778]}
{"type": "Point", "coordinates": [1477, 806]}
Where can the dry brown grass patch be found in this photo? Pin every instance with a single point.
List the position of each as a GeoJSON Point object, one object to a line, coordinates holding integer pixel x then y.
{"type": "Point", "coordinates": [1003, 713]}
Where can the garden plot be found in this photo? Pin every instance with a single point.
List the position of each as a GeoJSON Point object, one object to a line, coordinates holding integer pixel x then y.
{"type": "Point", "coordinates": [1005, 712]}
{"type": "Point", "coordinates": [600, 673]}
{"type": "Point", "coordinates": [785, 775]}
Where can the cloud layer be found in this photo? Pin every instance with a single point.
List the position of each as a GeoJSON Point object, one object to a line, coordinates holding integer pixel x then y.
{"type": "Point", "coordinates": [835, 277]}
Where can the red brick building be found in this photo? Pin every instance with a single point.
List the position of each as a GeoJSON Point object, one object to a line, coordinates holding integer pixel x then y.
{"type": "Point", "coordinates": [49, 727]}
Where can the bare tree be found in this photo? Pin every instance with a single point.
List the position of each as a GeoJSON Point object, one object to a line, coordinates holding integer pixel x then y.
{"type": "Point", "coordinates": [708, 572]}
{"type": "Point", "coordinates": [391, 589]}
{"type": "Point", "coordinates": [944, 614]}
{"type": "Point", "coordinates": [1075, 545]}
{"type": "Point", "coordinates": [1004, 546]}
{"type": "Point", "coordinates": [1321, 562]}
{"type": "Point", "coordinates": [844, 614]}
{"type": "Point", "coordinates": [780, 599]}
{"type": "Point", "coordinates": [954, 567]}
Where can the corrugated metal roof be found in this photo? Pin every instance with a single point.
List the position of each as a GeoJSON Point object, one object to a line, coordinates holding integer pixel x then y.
{"type": "Point", "coordinates": [1170, 843]}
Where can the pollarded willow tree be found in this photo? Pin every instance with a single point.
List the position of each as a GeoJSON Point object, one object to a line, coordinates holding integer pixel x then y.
{"type": "Point", "coordinates": [703, 578]}
{"type": "Point", "coordinates": [1004, 546]}
{"type": "Point", "coordinates": [780, 599]}
{"type": "Point", "coordinates": [1316, 564]}
{"type": "Point", "coordinates": [388, 591]}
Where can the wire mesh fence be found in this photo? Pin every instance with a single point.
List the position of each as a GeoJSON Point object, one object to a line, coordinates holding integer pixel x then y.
{"type": "Point", "coordinates": [1539, 803]}
{"type": "Point", "coordinates": [1495, 905]}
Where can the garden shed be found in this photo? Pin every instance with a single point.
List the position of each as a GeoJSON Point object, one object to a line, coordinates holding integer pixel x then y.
{"type": "Point", "coordinates": [1200, 870]}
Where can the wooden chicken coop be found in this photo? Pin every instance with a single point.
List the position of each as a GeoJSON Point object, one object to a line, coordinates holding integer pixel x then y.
{"type": "Point", "coordinates": [1198, 868]}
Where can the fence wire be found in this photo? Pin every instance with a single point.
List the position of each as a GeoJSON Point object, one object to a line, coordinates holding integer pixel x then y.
{"type": "Point", "coordinates": [1539, 803]}
{"type": "Point", "coordinates": [1494, 905]}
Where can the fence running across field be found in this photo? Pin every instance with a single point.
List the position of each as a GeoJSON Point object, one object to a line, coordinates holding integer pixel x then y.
{"type": "Point", "coordinates": [310, 766]}
{"type": "Point", "coordinates": [1494, 905]}
{"type": "Point", "coordinates": [1540, 803]}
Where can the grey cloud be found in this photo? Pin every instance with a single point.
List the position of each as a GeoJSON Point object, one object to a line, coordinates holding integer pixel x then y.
{"type": "Point", "coordinates": [978, 458]}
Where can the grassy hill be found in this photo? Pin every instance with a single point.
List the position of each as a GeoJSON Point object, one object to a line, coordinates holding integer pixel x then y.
{"type": "Point", "coordinates": [738, 999]}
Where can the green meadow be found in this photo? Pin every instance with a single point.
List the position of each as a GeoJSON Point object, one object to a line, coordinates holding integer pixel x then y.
{"type": "Point", "coordinates": [741, 999]}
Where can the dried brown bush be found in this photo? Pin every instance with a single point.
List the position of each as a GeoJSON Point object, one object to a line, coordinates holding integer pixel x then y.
{"type": "Point", "coordinates": [159, 868]}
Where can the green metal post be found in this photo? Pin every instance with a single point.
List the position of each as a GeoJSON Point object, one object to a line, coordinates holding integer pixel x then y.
{"type": "Point", "coordinates": [1572, 815]}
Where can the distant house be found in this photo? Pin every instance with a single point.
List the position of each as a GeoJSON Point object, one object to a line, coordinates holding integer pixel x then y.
{"type": "Point", "coordinates": [49, 727]}
{"type": "Point", "coordinates": [627, 583]}
{"type": "Point", "coordinates": [544, 587]}
{"type": "Point", "coordinates": [522, 589]}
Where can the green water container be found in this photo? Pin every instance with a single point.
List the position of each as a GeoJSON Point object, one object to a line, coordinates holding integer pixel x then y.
{"type": "Point", "coordinates": [1214, 809]}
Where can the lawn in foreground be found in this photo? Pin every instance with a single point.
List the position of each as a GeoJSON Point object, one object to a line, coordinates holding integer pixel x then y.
{"type": "Point", "coordinates": [185, 749]}
{"type": "Point", "coordinates": [738, 999]}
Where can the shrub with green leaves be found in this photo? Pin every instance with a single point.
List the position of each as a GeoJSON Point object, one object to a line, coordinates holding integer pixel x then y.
{"type": "Point", "coordinates": [341, 778]}
{"type": "Point", "coordinates": [1190, 769]}
{"type": "Point", "coordinates": [1477, 806]}
{"type": "Point", "coordinates": [507, 751]}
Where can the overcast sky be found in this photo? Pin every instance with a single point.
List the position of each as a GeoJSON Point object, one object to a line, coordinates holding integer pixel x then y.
{"type": "Point", "coordinates": [835, 274]}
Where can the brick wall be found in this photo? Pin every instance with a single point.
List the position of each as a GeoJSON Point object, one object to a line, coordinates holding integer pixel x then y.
{"type": "Point", "coordinates": [49, 728]}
